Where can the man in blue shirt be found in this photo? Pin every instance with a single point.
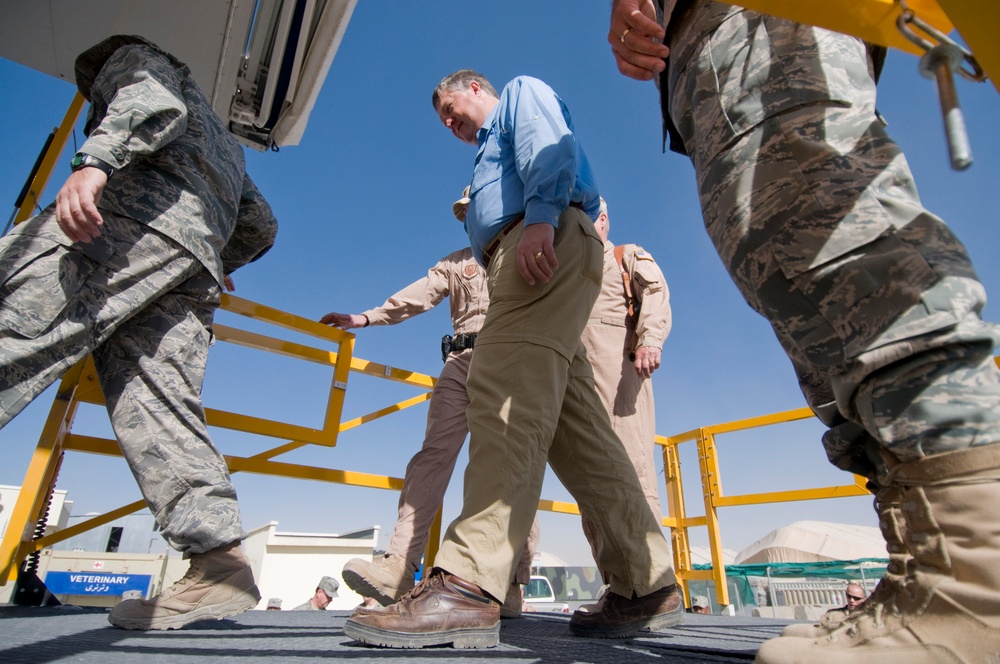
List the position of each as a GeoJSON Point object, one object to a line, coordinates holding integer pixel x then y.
{"type": "Point", "coordinates": [530, 218]}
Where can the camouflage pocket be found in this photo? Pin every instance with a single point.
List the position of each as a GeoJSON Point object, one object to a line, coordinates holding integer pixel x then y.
{"type": "Point", "coordinates": [41, 271]}
{"type": "Point", "coordinates": [861, 300]}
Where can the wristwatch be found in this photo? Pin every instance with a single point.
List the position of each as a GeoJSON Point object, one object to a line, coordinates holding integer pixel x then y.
{"type": "Point", "coordinates": [83, 160]}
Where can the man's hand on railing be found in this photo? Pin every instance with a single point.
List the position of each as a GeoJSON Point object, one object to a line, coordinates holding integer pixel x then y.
{"type": "Point", "coordinates": [345, 321]}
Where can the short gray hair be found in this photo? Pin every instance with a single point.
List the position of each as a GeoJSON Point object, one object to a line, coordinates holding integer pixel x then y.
{"type": "Point", "coordinates": [604, 207]}
{"type": "Point", "coordinates": [459, 81]}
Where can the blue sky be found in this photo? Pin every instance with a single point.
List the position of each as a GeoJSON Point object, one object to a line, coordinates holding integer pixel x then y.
{"type": "Point", "coordinates": [364, 206]}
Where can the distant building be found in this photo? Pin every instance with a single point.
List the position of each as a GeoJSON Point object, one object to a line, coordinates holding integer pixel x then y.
{"type": "Point", "coordinates": [288, 566]}
{"type": "Point", "coordinates": [128, 554]}
{"type": "Point", "coordinates": [134, 533]}
{"type": "Point", "coordinates": [56, 519]}
{"type": "Point", "coordinates": [58, 515]}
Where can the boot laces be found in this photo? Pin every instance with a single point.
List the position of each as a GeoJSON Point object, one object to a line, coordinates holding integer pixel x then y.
{"type": "Point", "coordinates": [418, 589]}
{"type": "Point", "coordinates": [194, 570]}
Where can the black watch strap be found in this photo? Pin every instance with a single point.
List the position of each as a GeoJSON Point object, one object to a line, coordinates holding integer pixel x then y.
{"type": "Point", "coordinates": [83, 160]}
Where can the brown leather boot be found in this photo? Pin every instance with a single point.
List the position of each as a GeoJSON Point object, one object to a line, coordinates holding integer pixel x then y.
{"type": "Point", "coordinates": [219, 583]}
{"type": "Point", "coordinates": [441, 609]}
{"type": "Point", "coordinates": [619, 617]}
{"type": "Point", "coordinates": [385, 579]}
{"type": "Point", "coordinates": [890, 519]}
{"type": "Point", "coordinates": [947, 607]}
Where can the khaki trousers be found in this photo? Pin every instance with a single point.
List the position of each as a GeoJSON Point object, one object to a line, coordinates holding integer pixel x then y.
{"type": "Point", "coordinates": [532, 401]}
{"type": "Point", "coordinates": [628, 399]}
{"type": "Point", "coordinates": [430, 469]}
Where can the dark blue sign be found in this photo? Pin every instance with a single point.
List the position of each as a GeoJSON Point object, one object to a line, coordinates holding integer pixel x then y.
{"type": "Point", "coordinates": [95, 583]}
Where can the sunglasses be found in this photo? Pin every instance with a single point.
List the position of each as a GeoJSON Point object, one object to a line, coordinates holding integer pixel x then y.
{"type": "Point", "coordinates": [856, 599]}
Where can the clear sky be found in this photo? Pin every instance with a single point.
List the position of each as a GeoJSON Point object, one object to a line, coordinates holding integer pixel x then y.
{"type": "Point", "coordinates": [365, 208]}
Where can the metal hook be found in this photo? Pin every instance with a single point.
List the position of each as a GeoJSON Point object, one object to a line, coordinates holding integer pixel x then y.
{"type": "Point", "coordinates": [908, 20]}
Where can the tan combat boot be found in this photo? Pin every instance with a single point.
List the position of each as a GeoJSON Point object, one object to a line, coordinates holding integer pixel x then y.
{"type": "Point", "coordinates": [385, 579]}
{"type": "Point", "coordinates": [890, 519]}
{"type": "Point", "coordinates": [948, 607]}
{"type": "Point", "coordinates": [219, 583]}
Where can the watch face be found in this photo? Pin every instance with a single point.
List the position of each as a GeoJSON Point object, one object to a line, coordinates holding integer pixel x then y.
{"type": "Point", "coordinates": [81, 160]}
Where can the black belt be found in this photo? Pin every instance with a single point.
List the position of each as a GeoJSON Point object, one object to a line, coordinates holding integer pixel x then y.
{"type": "Point", "coordinates": [492, 245]}
{"type": "Point", "coordinates": [459, 342]}
{"type": "Point", "coordinates": [463, 341]}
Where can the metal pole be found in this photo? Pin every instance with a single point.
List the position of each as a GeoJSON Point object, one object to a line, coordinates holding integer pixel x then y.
{"type": "Point", "coordinates": [770, 589]}
{"type": "Point", "coordinates": [31, 178]}
{"type": "Point", "coordinates": [939, 63]}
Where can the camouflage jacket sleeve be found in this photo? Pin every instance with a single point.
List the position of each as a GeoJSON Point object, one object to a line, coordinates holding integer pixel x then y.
{"type": "Point", "coordinates": [649, 287]}
{"type": "Point", "coordinates": [255, 229]}
{"type": "Point", "coordinates": [420, 296]}
{"type": "Point", "coordinates": [139, 92]}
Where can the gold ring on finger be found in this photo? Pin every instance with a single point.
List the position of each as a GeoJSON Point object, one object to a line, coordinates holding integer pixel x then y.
{"type": "Point", "coordinates": [627, 30]}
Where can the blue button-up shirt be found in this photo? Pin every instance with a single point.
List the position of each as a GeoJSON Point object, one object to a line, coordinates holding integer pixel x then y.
{"type": "Point", "coordinates": [529, 163]}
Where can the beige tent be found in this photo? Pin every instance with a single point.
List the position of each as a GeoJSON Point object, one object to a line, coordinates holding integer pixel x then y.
{"type": "Point", "coordinates": [814, 541]}
{"type": "Point", "coordinates": [702, 555]}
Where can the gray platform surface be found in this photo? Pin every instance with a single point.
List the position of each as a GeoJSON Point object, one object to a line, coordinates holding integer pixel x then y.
{"type": "Point", "coordinates": [62, 634]}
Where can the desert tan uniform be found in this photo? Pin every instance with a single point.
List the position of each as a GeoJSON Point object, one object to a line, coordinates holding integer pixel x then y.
{"type": "Point", "coordinates": [459, 277]}
{"type": "Point", "coordinates": [611, 338]}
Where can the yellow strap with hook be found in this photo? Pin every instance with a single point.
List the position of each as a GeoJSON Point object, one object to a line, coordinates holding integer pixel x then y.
{"type": "Point", "coordinates": [872, 20]}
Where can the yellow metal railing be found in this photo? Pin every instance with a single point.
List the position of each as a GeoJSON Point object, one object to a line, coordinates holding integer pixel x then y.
{"type": "Point", "coordinates": [714, 498]}
{"type": "Point", "coordinates": [871, 19]}
{"type": "Point", "coordinates": [80, 385]}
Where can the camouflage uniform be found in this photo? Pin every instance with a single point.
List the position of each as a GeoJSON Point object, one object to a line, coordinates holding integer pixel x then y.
{"type": "Point", "coordinates": [815, 214]}
{"type": "Point", "coordinates": [458, 277]}
{"type": "Point", "coordinates": [179, 214]}
{"type": "Point", "coordinates": [611, 338]}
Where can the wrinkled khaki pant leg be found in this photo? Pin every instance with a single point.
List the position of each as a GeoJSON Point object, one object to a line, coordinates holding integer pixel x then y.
{"type": "Point", "coordinates": [530, 378]}
{"type": "Point", "coordinates": [430, 469]}
{"type": "Point", "coordinates": [628, 399]}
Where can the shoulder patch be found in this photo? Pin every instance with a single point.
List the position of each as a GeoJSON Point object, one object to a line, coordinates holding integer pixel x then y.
{"type": "Point", "coordinates": [642, 254]}
{"type": "Point", "coordinates": [470, 270]}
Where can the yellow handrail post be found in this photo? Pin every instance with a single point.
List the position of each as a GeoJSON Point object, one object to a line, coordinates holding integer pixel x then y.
{"type": "Point", "coordinates": [39, 481]}
{"type": "Point", "coordinates": [433, 540]}
{"type": "Point", "coordinates": [48, 163]}
{"type": "Point", "coordinates": [679, 542]}
{"type": "Point", "coordinates": [711, 484]}
{"type": "Point", "coordinates": [335, 405]}
{"type": "Point", "coordinates": [976, 21]}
